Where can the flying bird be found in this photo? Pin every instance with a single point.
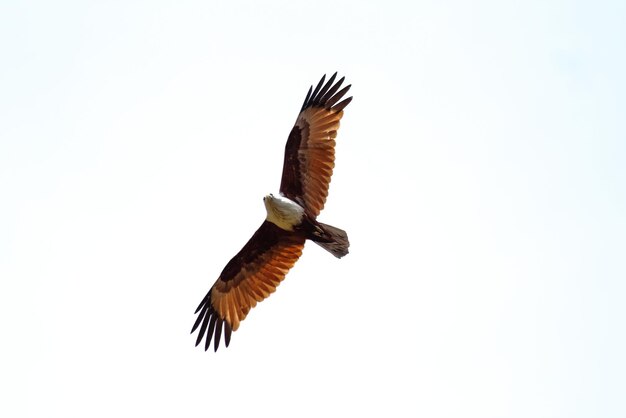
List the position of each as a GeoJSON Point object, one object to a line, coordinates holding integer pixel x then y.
{"type": "Point", "coordinates": [259, 267]}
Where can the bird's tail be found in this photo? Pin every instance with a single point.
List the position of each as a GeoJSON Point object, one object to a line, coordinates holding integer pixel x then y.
{"type": "Point", "coordinates": [333, 240]}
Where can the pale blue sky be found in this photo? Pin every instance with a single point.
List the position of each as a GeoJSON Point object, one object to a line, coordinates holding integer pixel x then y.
{"type": "Point", "coordinates": [480, 176]}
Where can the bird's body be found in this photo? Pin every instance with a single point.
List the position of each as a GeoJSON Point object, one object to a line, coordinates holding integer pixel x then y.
{"type": "Point", "coordinates": [259, 267]}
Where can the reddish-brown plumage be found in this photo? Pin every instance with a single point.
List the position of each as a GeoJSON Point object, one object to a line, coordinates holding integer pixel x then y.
{"type": "Point", "coordinates": [259, 267]}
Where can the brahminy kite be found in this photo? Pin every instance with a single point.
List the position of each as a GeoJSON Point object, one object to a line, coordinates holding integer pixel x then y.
{"type": "Point", "coordinates": [255, 272]}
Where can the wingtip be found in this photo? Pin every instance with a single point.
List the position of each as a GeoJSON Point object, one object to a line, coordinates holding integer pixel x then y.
{"type": "Point", "coordinates": [202, 303]}
{"type": "Point", "coordinates": [227, 332]}
{"type": "Point", "coordinates": [321, 94]}
{"type": "Point", "coordinates": [209, 326]}
{"type": "Point", "coordinates": [342, 105]}
{"type": "Point", "coordinates": [218, 333]}
{"type": "Point", "coordinates": [325, 93]}
{"type": "Point", "coordinates": [306, 99]}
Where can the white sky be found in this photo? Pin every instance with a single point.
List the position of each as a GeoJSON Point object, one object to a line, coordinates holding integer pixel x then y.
{"type": "Point", "coordinates": [480, 175]}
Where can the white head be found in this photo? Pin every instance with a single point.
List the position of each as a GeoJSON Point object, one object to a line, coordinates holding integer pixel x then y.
{"type": "Point", "coordinates": [283, 212]}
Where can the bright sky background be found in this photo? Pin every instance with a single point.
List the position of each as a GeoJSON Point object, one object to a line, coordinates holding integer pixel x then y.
{"type": "Point", "coordinates": [480, 175]}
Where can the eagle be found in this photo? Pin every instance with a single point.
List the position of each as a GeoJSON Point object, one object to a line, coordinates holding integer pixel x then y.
{"type": "Point", "coordinates": [259, 267]}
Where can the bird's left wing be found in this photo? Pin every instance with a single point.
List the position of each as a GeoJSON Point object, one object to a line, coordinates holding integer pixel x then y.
{"type": "Point", "coordinates": [251, 276]}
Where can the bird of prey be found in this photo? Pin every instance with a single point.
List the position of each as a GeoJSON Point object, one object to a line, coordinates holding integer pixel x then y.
{"type": "Point", "coordinates": [255, 272]}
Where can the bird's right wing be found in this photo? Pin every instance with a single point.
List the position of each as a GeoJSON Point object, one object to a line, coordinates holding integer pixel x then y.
{"type": "Point", "coordinates": [251, 276]}
{"type": "Point", "coordinates": [310, 149]}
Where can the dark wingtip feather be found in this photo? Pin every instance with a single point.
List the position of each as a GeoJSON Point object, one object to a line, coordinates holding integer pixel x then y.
{"type": "Point", "coordinates": [329, 94]}
{"type": "Point", "coordinates": [325, 94]}
{"type": "Point", "coordinates": [334, 99]}
{"type": "Point", "coordinates": [210, 325]}
{"type": "Point", "coordinates": [306, 99]}
{"type": "Point", "coordinates": [199, 319]}
{"type": "Point", "coordinates": [210, 334]}
{"type": "Point", "coordinates": [317, 89]}
{"type": "Point", "coordinates": [317, 100]}
{"type": "Point", "coordinates": [342, 105]}
{"type": "Point", "coordinates": [227, 331]}
{"type": "Point", "coordinates": [204, 325]}
{"type": "Point", "coordinates": [218, 333]}
{"type": "Point", "coordinates": [204, 300]}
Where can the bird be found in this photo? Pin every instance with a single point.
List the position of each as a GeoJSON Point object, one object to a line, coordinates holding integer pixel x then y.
{"type": "Point", "coordinates": [264, 261]}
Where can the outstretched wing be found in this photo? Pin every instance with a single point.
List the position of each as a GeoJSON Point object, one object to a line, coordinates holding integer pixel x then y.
{"type": "Point", "coordinates": [310, 149]}
{"type": "Point", "coordinates": [251, 276]}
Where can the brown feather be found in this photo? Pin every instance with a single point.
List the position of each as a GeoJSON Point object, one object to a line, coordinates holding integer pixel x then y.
{"type": "Point", "coordinates": [323, 91]}
{"type": "Point", "coordinates": [342, 105]}
{"type": "Point", "coordinates": [251, 276]}
{"type": "Point", "coordinates": [210, 334]}
{"type": "Point", "coordinates": [330, 102]}
{"type": "Point", "coordinates": [332, 91]}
